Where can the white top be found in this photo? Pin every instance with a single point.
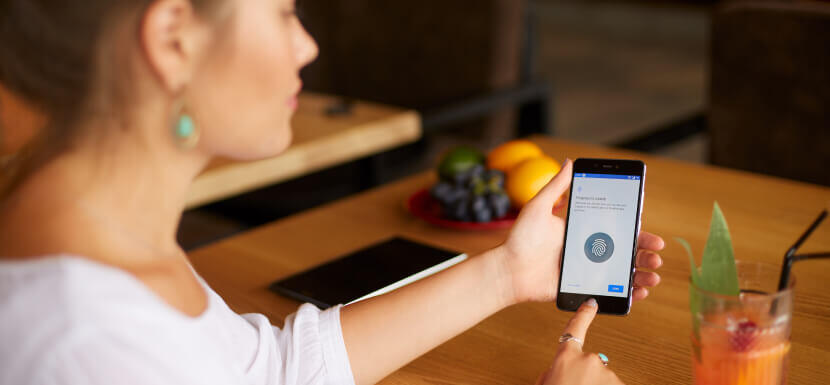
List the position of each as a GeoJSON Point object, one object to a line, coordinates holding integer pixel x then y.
{"type": "Point", "coordinates": [68, 320]}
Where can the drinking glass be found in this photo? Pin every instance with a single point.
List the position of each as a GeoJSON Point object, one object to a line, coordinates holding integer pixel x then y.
{"type": "Point", "coordinates": [743, 339]}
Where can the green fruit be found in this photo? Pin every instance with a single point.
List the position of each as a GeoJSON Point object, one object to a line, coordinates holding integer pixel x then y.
{"type": "Point", "coordinates": [458, 160]}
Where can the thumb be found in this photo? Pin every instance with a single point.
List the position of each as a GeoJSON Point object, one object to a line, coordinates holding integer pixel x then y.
{"type": "Point", "coordinates": [548, 195]}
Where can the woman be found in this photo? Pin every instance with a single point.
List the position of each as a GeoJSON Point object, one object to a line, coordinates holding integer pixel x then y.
{"type": "Point", "coordinates": [139, 95]}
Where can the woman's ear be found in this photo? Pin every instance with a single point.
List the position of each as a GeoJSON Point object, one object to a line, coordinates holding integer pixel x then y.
{"type": "Point", "coordinates": [170, 36]}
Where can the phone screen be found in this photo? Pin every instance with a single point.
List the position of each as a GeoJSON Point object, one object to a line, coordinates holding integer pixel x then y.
{"type": "Point", "coordinates": [600, 240]}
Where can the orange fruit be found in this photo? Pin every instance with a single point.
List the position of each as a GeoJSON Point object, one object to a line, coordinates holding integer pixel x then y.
{"type": "Point", "coordinates": [509, 154]}
{"type": "Point", "coordinates": [526, 179]}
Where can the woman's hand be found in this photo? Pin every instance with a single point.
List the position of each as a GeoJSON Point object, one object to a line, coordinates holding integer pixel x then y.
{"type": "Point", "coordinates": [532, 252]}
{"type": "Point", "coordinates": [572, 366]}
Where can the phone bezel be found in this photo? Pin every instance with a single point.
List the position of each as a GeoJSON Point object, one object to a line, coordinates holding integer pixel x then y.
{"type": "Point", "coordinates": [607, 304]}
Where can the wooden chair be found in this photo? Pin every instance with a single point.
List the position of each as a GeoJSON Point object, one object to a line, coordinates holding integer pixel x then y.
{"type": "Point", "coordinates": [450, 60]}
{"type": "Point", "coordinates": [770, 89]}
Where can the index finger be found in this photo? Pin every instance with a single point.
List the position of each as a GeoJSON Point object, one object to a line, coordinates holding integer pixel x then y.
{"type": "Point", "coordinates": [579, 323]}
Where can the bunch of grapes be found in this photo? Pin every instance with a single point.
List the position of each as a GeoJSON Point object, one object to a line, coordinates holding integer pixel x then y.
{"type": "Point", "coordinates": [473, 195]}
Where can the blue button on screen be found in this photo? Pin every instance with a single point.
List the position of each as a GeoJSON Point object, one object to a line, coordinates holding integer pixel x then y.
{"type": "Point", "coordinates": [615, 288]}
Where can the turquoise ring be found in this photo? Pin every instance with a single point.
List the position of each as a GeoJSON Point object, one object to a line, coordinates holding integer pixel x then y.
{"type": "Point", "coordinates": [603, 358]}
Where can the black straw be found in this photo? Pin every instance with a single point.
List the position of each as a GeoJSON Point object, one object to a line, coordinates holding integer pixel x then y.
{"type": "Point", "coordinates": [790, 257]}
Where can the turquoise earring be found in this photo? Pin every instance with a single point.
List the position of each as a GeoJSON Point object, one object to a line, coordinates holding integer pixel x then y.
{"type": "Point", "coordinates": [184, 128]}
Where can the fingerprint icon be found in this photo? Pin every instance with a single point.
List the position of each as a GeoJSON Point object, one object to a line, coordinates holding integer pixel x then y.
{"type": "Point", "coordinates": [599, 247]}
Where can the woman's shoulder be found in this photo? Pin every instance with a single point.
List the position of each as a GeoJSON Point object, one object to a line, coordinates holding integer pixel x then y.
{"type": "Point", "coordinates": [69, 316]}
{"type": "Point", "coordinates": [64, 286]}
{"type": "Point", "coordinates": [53, 305]}
{"type": "Point", "coordinates": [53, 297]}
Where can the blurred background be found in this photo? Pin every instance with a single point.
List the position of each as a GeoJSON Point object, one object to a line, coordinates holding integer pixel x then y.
{"type": "Point", "coordinates": [740, 84]}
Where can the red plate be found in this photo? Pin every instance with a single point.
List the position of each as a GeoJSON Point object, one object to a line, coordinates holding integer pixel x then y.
{"type": "Point", "coordinates": [424, 206]}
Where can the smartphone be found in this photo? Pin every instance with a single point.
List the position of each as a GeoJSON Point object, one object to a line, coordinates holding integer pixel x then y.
{"type": "Point", "coordinates": [601, 231]}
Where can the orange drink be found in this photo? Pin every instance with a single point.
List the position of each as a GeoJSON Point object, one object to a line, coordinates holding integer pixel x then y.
{"type": "Point", "coordinates": [742, 339]}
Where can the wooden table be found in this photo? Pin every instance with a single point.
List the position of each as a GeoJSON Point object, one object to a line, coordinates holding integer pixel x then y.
{"type": "Point", "coordinates": [320, 141]}
{"type": "Point", "coordinates": [651, 346]}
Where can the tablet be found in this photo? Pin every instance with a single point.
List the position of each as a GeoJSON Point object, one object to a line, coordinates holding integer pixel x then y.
{"type": "Point", "coordinates": [366, 273]}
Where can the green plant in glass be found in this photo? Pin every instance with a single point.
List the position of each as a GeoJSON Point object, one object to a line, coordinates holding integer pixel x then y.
{"type": "Point", "coordinates": [741, 322]}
